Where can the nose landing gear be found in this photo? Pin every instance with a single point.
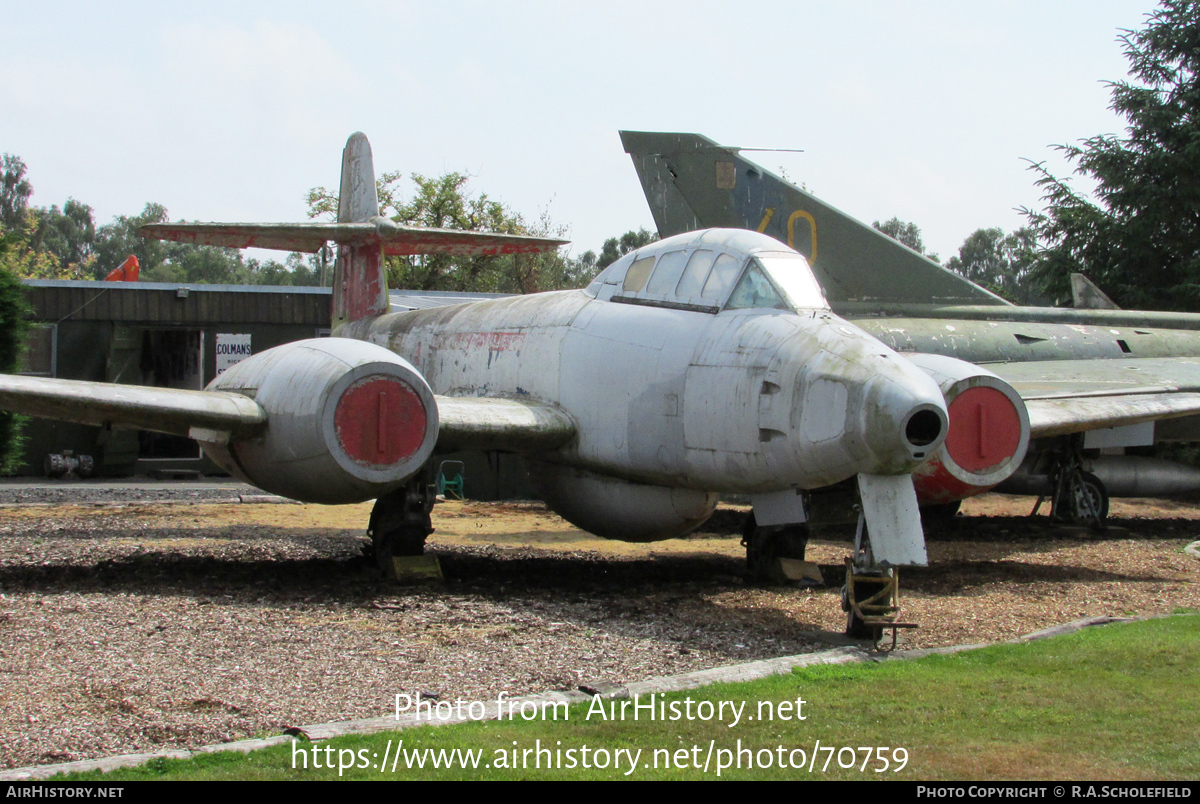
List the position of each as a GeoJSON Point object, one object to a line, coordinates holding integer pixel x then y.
{"type": "Point", "coordinates": [871, 596]}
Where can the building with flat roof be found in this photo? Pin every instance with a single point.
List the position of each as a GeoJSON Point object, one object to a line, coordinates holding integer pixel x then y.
{"type": "Point", "coordinates": [182, 336]}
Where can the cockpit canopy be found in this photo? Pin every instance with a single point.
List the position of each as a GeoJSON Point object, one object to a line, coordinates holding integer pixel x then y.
{"type": "Point", "coordinates": [710, 271]}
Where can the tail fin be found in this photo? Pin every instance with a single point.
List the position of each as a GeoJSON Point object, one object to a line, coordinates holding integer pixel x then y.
{"type": "Point", "coordinates": [692, 183]}
{"type": "Point", "coordinates": [362, 234]}
{"type": "Point", "coordinates": [1086, 296]}
{"type": "Point", "coordinates": [126, 271]}
{"type": "Point", "coordinates": [359, 283]}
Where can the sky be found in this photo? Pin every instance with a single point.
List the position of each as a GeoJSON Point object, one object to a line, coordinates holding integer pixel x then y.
{"type": "Point", "coordinates": [926, 111]}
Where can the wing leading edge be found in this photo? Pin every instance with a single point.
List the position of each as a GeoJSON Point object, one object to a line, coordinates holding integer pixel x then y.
{"type": "Point", "coordinates": [1072, 396]}
{"type": "Point", "coordinates": [476, 424]}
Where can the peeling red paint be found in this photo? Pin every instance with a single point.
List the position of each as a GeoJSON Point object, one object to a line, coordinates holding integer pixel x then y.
{"type": "Point", "coordinates": [936, 485]}
{"type": "Point", "coordinates": [498, 341]}
{"type": "Point", "coordinates": [379, 421]}
{"type": "Point", "coordinates": [360, 291]}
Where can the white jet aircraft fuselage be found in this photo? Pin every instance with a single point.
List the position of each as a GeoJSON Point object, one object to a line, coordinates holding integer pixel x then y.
{"type": "Point", "coordinates": [731, 377]}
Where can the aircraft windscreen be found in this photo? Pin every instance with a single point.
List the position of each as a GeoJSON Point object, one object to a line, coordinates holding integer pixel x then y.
{"type": "Point", "coordinates": [755, 291]}
{"type": "Point", "coordinates": [791, 274]}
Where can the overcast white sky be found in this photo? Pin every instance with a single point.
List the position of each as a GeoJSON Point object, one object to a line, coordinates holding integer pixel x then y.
{"type": "Point", "coordinates": [232, 111]}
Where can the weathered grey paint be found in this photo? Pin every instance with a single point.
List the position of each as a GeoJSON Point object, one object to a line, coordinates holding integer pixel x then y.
{"type": "Point", "coordinates": [675, 398]}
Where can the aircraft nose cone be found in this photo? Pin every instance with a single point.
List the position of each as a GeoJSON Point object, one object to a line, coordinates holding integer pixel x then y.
{"type": "Point", "coordinates": [906, 418]}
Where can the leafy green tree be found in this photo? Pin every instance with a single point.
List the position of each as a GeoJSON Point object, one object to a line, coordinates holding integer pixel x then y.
{"type": "Point", "coordinates": [15, 190]}
{"type": "Point", "coordinates": [70, 235]}
{"type": "Point", "coordinates": [19, 258]}
{"type": "Point", "coordinates": [1139, 238]}
{"type": "Point", "coordinates": [445, 202]}
{"type": "Point", "coordinates": [119, 239]}
{"type": "Point", "coordinates": [14, 323]}
{"type": "Point", "coordinates": [907, 233]}
{"type": "Point", "coordinates": [1001, 263]}
{"type": "Point", "coordinates": [615, 248]}
{"type": "Point", "coordinates": [165, 261]}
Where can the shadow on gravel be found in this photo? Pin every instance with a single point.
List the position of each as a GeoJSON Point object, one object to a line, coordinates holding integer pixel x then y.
{"type": "Point", "coordinates": [675, 599]}
{"type": "Point", "coordinates": [1020, 528]}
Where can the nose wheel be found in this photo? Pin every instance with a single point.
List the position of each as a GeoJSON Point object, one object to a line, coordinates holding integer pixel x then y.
{"type": "Point", "coordinates": [871, 596]}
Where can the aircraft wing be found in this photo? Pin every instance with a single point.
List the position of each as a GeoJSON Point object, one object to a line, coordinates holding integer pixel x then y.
{"type": "Point", "coordinates": [1071, 396]}
{"type": "Point", "coordinates": [163, 410]}
{"type": "Point", "coordinates": [483, 424]}
{"type": "Point", "coordinates": [475, 424]}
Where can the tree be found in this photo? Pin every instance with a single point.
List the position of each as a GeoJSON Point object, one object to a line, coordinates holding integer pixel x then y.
{"type": "Point", "coordinates": [907, 233]}
{"type": "Point", "coordinates": [445, 202]}
{"type": "Point", "coordinates": [1139, 240]}
{"type": "Point", "coordinates": [70, 235]}
{"type": "Point", "coordinates": [615, 248]}
{"type": "Point", "coordinates": [1000, 262]}
{"type": "Point", "coordinates": [15, 190]}
{"type": "Point", "coordinates": [14, 323]}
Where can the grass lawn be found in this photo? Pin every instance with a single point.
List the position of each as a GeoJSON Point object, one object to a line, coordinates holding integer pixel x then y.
{"type": "Point", "coordinates": [1121, 702]}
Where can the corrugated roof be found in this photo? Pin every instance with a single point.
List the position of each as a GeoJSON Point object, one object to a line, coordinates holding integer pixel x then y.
{"type": "Point", "coordinates": [187, 303]}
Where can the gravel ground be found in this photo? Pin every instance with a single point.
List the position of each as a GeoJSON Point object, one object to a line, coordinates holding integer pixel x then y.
{"type": "Point", "coordinates": [25, 491]}
{"type": "Point", "coordinates": [134, 627]}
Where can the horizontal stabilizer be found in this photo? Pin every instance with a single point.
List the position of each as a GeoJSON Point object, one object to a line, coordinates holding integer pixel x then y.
{"type": "Point", "coordinates": [221, 414]}
{"type": "Point", "coordinates": [481, 424]}
{"type": "Point", "coordinates": [309, 237]}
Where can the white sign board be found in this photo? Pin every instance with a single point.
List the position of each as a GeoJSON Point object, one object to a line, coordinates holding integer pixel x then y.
{"type": "Point", "coordinates": [231, 349]}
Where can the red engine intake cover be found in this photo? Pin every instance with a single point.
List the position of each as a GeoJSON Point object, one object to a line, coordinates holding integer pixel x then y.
{"type": "Point", "coordinates": [988, 435]}
{"type": "Point", "coordinates": [380, 420]}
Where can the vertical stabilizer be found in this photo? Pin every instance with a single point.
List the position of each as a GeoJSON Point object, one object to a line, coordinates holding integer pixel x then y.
{"type": "Point", "coordinates": [1086, 296]}
{"type": "Point", "coordinates": [359, 282]}
{"type": "Point", "coordinates": [691, 182]}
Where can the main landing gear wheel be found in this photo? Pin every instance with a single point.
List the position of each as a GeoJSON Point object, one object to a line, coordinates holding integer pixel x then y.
{"type": "Point", "coordinates": [400, 524]}
{"type": "Point", "coordinates": [766, 545]}
{"type": "Point", "coordinates": [1082, 499]}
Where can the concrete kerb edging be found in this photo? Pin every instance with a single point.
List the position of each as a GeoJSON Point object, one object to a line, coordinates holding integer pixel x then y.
{"type": "Point", "coordinates": [251, 499]}
{"type": "Point", "coordinates": [749, 671]}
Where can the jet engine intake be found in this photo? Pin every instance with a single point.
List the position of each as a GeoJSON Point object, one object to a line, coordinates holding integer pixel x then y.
{"type": "Point", "coordinates": [988, 435]}
{"type": "Point", "coordinates": [347, 421]}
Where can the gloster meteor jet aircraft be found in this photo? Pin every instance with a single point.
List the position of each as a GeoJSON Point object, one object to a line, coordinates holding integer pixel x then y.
{"type": "Point", "coordinates": [707, 362]}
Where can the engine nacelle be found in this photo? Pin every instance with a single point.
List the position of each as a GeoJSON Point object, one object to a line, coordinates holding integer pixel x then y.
{"type": "Point", "coordinates": [347, 421]}
{"type": "Point", "coordinates": [988, 436]}
{"type": "Point", "coordinates": [618, 509]}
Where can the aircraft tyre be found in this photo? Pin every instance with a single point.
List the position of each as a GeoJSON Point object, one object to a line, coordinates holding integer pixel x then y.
{"type": "Point", "coordinates": [1093, 495]}
{"type": "Point", "coordinates": [1083, 501]}
{"type": "Point", "coordinates": [400, 524]}
{"type": "Point", "coordinates": [766, 545]}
